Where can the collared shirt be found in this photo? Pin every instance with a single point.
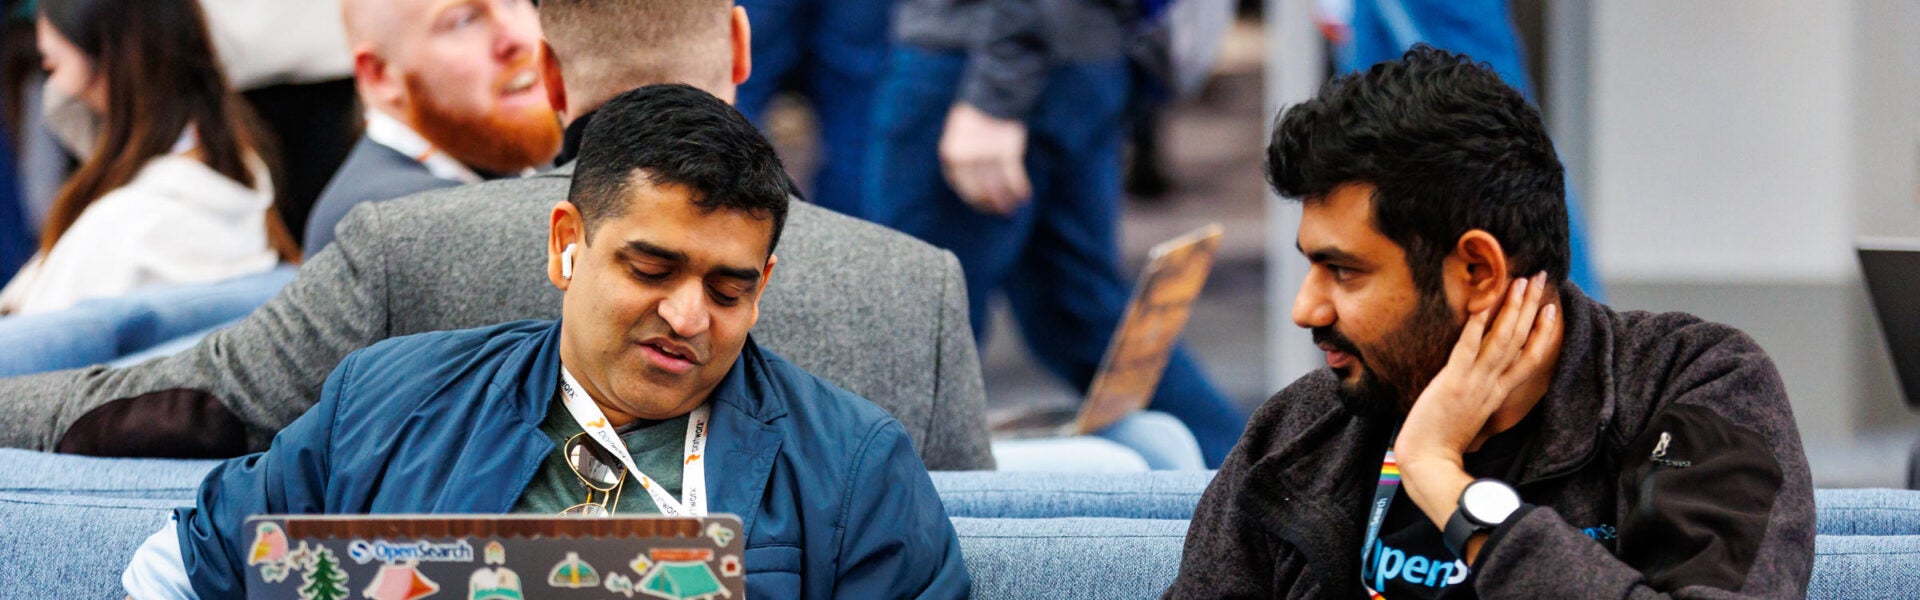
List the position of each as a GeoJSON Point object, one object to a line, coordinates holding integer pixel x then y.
{"type": "Point", "coordinates": [390, 132]}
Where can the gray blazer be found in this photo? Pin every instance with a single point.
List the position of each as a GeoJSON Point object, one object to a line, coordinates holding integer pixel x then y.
{"type": "Point", "coordinates": [371, 173]}
{"type": "Point", "coordinates": [872, 310]}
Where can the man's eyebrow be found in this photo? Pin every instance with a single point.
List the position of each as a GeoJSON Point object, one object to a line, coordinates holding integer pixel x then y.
{"type": "Point", "coordinates": [1322, 255]}
{"type": "Point", "coordinates": [747, 274]}
{"type": "Point", "coordinates": [750, 276]}
{"type": "Point", "coordinates": [669, 255]}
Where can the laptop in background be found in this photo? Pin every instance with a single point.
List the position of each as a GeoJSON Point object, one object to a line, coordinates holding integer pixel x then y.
{"type": "Point", "coordinates": [494, 557]}
{"type": "Point", "coordinates": [1176, 271]}
{"type": "Point", "coordinates": [1892, 272]}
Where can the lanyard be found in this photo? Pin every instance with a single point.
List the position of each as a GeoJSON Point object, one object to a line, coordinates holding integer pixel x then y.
{"type": "Point", "coordinates": [693, 480]}
{"type": "Point", "coordinates": [1377, 515]}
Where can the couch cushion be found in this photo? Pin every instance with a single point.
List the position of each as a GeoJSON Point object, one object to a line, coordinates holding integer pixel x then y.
{"type": "Point", "coordinates": [1862, 566]}
{"type": "Point", "coordinates": [68, 546]}
{"type": "Point", "coordinates": [1149, 495]}
{"type": "Point", "coordinates": [1867, 512]}
{"type": "Point", "coordinates": [1077, 558]}
{"type": "Point", "coordinates": [44, 473]}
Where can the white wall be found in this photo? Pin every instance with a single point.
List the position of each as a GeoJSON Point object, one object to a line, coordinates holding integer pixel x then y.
{"type": "Point", "coordinates": [1720, 140]}
{"type": "Point", "coordinates": [1738, 148]}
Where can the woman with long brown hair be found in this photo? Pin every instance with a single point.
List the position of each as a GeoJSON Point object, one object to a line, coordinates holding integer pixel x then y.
{"type": "Point", "coordinates": [173, 186]}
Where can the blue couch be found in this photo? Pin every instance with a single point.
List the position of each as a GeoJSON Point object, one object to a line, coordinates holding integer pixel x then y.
{"type": "Point", "coordinates": [70, 524]}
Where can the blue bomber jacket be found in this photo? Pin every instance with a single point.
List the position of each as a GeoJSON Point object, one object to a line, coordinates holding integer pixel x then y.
{"type": "Point", "coordinates": [834, 500]}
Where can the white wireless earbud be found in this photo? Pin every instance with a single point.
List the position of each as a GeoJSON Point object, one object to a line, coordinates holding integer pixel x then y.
{"type": "Point", "coordinates": [566, 262]}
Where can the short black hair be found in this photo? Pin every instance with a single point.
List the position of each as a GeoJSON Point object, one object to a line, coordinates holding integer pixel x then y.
{"type": "Point", "coordinates": [1448, 147]}
{"type": "Point", "coordinates": [674, 133]}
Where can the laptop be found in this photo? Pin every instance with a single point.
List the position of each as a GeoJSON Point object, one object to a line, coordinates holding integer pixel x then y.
{"type": "Point", "coordinates": [493, 557]}
{"type": "Point", "coordinates": [1892, 270]}
{"type": "Point", "coordinates": [1176, 271]}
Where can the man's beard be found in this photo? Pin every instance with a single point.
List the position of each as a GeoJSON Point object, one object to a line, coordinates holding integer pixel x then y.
{"type": "Point", "coordinates": [496, 142]}
{"type": "Point", "coordinates": [1394, 374]}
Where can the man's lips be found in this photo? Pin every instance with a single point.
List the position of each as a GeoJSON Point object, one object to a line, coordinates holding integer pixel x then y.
{"type": "Point", "coordinates": [1336, 358]}
{"type": "Point", "coordinates": [670, 357]}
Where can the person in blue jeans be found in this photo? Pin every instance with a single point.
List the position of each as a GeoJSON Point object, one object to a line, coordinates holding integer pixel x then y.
{"type": "Point", "coordinates": [997, 136]}
{"type": "Point", "coordinates": [831, 52]}
{"type": "Point", "coordinates": [1383, 30]}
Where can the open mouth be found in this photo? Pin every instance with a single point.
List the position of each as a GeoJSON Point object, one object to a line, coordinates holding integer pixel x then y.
{"type": "Point", "coordinates": [669, 353]}
{"type": "Point", "coordinates": [522, 82]}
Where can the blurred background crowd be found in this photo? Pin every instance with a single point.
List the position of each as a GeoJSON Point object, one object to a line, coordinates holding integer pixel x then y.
{"type": "Point", "coordinates": [1724, 157]}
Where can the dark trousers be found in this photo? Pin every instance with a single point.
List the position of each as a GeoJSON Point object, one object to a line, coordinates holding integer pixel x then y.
{"type": "Point", "coordinates": [830, 51]}
{"type": "Point", "coordinates": [1057, 258]}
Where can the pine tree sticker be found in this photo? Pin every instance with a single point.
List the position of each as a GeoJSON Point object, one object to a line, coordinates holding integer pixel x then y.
{"type": "Point", "coordinates": [324, 580]}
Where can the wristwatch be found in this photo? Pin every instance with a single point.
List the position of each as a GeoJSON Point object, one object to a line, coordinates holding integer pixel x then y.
{"type": "Point", "coordinates": [1484, 505]}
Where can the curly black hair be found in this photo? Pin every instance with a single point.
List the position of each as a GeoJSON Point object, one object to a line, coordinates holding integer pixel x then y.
{"type": "Point", "coordinates": [1448, 148]}
{"type": "Point", "coordinates": [675, 133]}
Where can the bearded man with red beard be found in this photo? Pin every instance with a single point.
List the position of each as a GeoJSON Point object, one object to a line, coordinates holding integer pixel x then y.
{"type": "Point", "coordinates": [453, 96]}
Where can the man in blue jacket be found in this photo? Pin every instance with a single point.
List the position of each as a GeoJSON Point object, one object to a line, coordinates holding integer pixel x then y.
{"type": "Point", "coordinates": [662, 249]}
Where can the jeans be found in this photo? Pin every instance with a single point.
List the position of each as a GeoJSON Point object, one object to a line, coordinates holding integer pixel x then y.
{"type": "Point", "coordinates": [1142, 441]}
{"type": "Point", "coordinates": [100, 331]}
{"type": "Point", "coordinates": [831, 52]}
{"type": "Point", "coordinates": [16, 233]}
{"type": "Point", "coordinates": [1056, 258]}
{"type": "Point", "coordinates": [1481, 29]}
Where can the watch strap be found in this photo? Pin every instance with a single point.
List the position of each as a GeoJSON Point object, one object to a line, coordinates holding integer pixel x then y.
{"type": "Point", "coordinates": [1458, 531]}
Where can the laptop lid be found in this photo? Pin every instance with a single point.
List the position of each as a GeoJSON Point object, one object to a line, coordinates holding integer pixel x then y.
{"type": "Point", "coordinates": [1892, 272]}
{"type": "Point", "coordinates": [493, 557]}
{"type": "Point", "coordinates": [1176, 271]}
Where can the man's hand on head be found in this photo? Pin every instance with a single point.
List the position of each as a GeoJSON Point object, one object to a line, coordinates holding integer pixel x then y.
{"type": "Point", "coordinates": [1488, 363]}
{"type": "Point", "coordinates": [984, 158]}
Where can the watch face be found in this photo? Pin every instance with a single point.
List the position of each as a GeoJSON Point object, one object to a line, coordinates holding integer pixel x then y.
{"type": "Point", "coordinates": [1489, 502]}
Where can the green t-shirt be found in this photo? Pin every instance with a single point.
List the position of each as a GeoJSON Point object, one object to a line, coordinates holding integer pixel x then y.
{"type": "Point", "coordinates": [657, 448]}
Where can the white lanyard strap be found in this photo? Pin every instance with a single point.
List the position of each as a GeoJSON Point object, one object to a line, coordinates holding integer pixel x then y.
{"type": "Point", "coordinates": [693, 480]}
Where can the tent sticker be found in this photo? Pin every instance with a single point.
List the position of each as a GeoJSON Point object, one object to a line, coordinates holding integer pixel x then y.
{"type": "Point", "coordinates": [399, 582]}
{"type": "Point", "coordinates": [573, 573]}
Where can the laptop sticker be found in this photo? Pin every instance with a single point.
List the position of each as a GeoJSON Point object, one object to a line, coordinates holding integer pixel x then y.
{"type": "Point", "coordinates": [496, 553]}
{"type": "Point", "coordinates": [399, 582]}
{"type": "Point", "coordinates": [269, 545]}
{"type": "Point", "coordinates": [573, 573]}
{"type": "Point", "coordinates": [494, 584]}
{"type": "Point", "coordinates": [324, 579]}
{"type": "Point", "coordinates": [620, 584]}
{"type": "Point", "coordinates": [720, 534]}
{"type": "Point", "coordinates": [683, 581]}
{"type": "Point", "coordinates": [680, 554]}
{"type": "Point", "coordinates": [730, 566]}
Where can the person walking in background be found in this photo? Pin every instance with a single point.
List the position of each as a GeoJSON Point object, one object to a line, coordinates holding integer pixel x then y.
{"type": "Point", "coordinates": [173, 186]}
{"type": "Point", "coordinates": [1381, 30]}
{"type": "Point", "coordinates": [997, 136]}
{"type": "Point", "coordinates": [831, 52]}
{"type": "Point", "coordinates": [16, 238]}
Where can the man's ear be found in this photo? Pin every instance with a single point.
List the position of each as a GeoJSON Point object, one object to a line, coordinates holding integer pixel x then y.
{"type": "Point", "coordinates": [377, 80]}
{"type": "Point", "coordinates": [555, 84]}
{"type": "Point", "coordinates": [766, 279]}
{"type": "Point", "coordinates": [742, 46]}
{"type": "Point", "coordinates": [565, 228]}
{"type": "Point", "coordinates": [1476, 271]}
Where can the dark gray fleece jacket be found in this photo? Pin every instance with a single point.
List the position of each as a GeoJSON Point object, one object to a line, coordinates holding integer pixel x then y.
{"type": "Point", "coordinates": [1726, 512]}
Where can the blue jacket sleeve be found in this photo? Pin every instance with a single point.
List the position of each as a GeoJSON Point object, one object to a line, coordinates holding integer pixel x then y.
{"type": "Point", "coordinates": [895, 539]}
{"type": "Point", "coordinates": [289, 478]}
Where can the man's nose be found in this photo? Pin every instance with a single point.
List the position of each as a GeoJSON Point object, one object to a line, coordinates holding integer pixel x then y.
{"type": "Point", "coordinates": [515, 38]}
{"type": "Point", "coordinates": [1310, 307]}
{"type": "Point", "coordinates": [686, 311]}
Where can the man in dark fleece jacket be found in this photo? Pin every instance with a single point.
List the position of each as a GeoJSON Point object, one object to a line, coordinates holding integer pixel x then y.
{"type": "Point", "coordinates": [1484, 428]}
